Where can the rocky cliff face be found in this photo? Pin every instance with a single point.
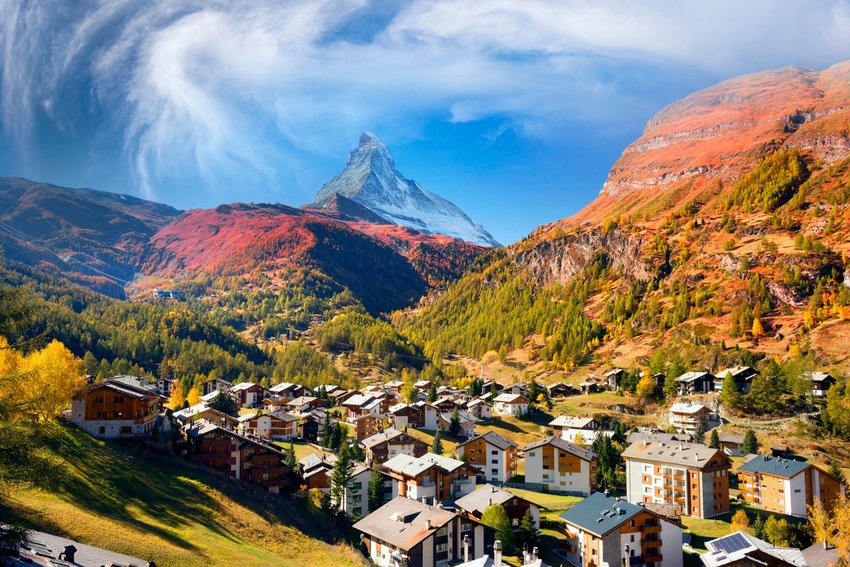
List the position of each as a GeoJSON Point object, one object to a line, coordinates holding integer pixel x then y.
{"type": "Point", "coordinates": [371, 180]}
{"type": "Point", "coordinates": [559, 259]}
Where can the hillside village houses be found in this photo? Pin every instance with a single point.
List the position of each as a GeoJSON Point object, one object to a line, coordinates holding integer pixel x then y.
{"type": "Point", "coordinates": [560, 466]}
{"type": "Point", "coordinates": [695, 382]}
{"type": "Point", "coordinates": [743, 376]}
{"type": "Point", "coordinates": [603, 530]}
{"type": "Point", "coordinates": [692, 417]}
{"type": "Point", "coordinates": [475, 503]}
{"type": "Point", "coordinates": [580, 430]}
{"type": "Point", "coordinates": [387, 444]}
{"type": "Point", "coordinates": [123, 407]}
{"type": "Point", "coordinates": [510, 404]}
{"type": "Point", "coordinates": [821, 383]}
{"type": "Point", "coordinates": [276, 426]}
{"type": "Point", "coordinates": [690, 476]}
{"type": "Point", "coordinates": [204, 412]}
{"type": "Point", "coordinates": [491, 453]}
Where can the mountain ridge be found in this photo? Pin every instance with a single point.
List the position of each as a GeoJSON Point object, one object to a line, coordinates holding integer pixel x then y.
{"type": "Point", "coordinates": [370, 178]}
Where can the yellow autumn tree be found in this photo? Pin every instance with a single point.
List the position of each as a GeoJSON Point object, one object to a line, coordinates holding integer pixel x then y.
{"type": "Point", "coordinates": [194, 396]}
{"type": "Point", "coordinates": [758, 328]}
{"type": "Point", "coordinates": [830, 526]}
{"type": "Point", "coordinates": [43, 382]}
{"type": "Point", "coordinates": [740, 521]}
{"type": "Point", "coordinates": [645, 387]}
{"type": "Point", "coordinates": [175, 401]}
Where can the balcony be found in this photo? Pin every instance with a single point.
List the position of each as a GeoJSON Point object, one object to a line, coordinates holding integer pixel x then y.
{"type": "Point", "coordinates": [651, 529]}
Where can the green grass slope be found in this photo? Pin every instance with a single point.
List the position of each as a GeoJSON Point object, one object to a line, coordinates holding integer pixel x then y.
{"type": "Point", "coordinates": [162, 509]}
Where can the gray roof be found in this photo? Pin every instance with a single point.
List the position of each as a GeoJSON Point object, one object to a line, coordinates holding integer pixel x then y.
{"type": "Point", "coordinates": [135, 382]}
{"type": "Point", "coordinates": [47, 546]}
{"type": "Point", "coordinates": [571, 422]}
{"type": "Point", "coordinates": [678, 452]}
{"type": "Point", "coordinates": [818, 554]}
{"type": "Point", "coordinates": [414, 466]}
{"type": "Point", "coordinates": [580, 452]}
{"type": "Point", "coordinates": [658, 436]}
{"type": "Point", "coordinates": [402, 522]}
{"type": "Point", "coordinates": [599, 514]}
{"type": "Point", "coordinates": [775, 466]}
{"type": "Point", "coordinates": [485, 496]}
{"type": "Point", "coordinates": [494, 439]}
{"type": "Point", "coordinates": [383, 436]}
{"type": "Point", "coordinates": [315, 459]}
{"type": "Point", "coordinates": [693, 376]}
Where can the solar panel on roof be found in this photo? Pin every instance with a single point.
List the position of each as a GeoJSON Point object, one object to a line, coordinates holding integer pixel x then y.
{"type": "Point", "coordinates": [732, 543]}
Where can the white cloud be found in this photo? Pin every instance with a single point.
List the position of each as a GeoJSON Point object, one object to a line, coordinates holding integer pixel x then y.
{"type": "Point", "coordinates": [221, 88]}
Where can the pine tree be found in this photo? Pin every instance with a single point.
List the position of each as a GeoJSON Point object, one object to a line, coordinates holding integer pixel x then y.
{"type": "Point", "coordinates": [326, 432]}
{"type": "Point", "coordinates": [714, 439]}
{"type": "Point", "coordinates": [758, 526]}
{"type": "Point", "coordinates": [454, 423]}
{"type": "Point", "coordinates": [528, 535]}
{"type": "Point", "coordinates": [729, 394]}
{"type": "Point", "coordinates": [341, 477]}
{"type": "Point", "coordinates": [835, 470]}
{"type": "Point", "coordinates": [437, 448]}
{"type": "Point", "coordinates": [751, 445]}
{"type": "Point", "coordinates": [376, 488]}
{"type": "Point", "coordinates": [291, 461]}
{"type": "Point", "coordinates": [432, 393]}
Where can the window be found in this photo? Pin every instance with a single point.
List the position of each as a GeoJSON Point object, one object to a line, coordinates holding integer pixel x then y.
{"type": "Point", "coordinates": [98, 400]}
{"type": "Point", "coordinates": [118, 399]}
{"type": "Point", "coordinates": [441, 532]}
{"type": "Point", "coordinates": [494, 472]}
{"type": "Point", "coordinates": [632, 538]}
{"type": "Point", "coordinates": [101, 430]}
{"type": "Point", "coordinates": [494, 461]}
{"type": "Point", "coordinates": [126, 429]}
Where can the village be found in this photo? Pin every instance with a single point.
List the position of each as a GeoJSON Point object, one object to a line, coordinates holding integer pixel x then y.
{"type": "Point", "coordinates": [483, 476]}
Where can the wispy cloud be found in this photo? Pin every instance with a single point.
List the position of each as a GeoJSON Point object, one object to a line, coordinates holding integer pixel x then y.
{"type": "Point", "coordinates": [222, 91]}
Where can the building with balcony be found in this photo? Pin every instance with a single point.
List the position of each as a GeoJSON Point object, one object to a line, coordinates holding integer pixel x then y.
{"type": "Point", "coordinates": [492, 454]}
{"type": "Point", "coordinates": [692, 418]}
{"type": "Point", "coordinates": [419, 415]}
{"type": "Point", "coordinates": [413, 534]}
{"type": "Point", "coordinates": [123, 407]}
{"type": "Point", "coordinates": [603, 530]}
{"type": "Point", "coordinates": [786, 486]}
{"type": "Point", "coordinates": [694, 383]}
{"type": "Point", "coordinates": [276, 426]}
{"type": "Point", "coordinates": [743, 376]}
{"type": "Point", "coordinates": [431, 478]}
{"type": "Point", "coordinates": [692, 477]}
{"type": "Point", "coordinates": [385, 445]}
{"type": "Point", "coordinates": [238, 457]}
{"type": "Point", "coordinates": [510, 404]}
{"type": "Point", "coordinates": [560, 466]}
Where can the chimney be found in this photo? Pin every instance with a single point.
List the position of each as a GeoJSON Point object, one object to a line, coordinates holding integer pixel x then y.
{"type": "Point", "coordinates": [466, 548]}
{"type": "Point", "coordinates": [535, 553]}
{"type": "Point", "coordinates": [497, 553]}
{"type": "Point", "coordinates": [428, 525]}
{"type": "Point", "coordinates": [68, 554]}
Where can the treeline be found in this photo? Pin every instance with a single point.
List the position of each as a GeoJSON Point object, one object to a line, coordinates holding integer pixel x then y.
{"type": "Point", "coordinates": [498, 308]}
{"type": "Point", "coordinates": [301, 363]}
{"type": "Point", "coordinates": [363, 334]}
{"type": "Point", "coordinates": [771, 184]}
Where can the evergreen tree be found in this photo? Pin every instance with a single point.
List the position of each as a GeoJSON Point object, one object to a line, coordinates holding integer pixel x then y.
{"type": "Point", "coordinates": [432, 393]}
{"type": "Point", "coordinates": [454, 423]}
{"type": "Point", "coordinates": [376, 488]}
{"type": "Point", "coordinates": [714, 439]}
{"type": "Point", "coordinates": [607, 459]}
{"type": "Point", "coordinates": [341, 477]}
{"type": "Point", "coordinates": [528, 535]}
{"type": "Point", "coordinates": [326, 432]}
{"type": "Point", "coordinates": [835, 470]}
{"type": "Point", "coordinates": [225, 404]}
{"type": "Point", "coordinates": [730, 396]}
{"type": "Point", "coordinates": [758, 526]}
{"type": "Point", "coordinates": [437, 448]}
{"type": "Point", "coordinates": [291, 461]}
{"type": "Point", "coordinates": [751, 444]}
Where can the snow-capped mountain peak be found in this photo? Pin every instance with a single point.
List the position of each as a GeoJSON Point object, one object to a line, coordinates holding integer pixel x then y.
{"type": "Point", "coordinates": [371, 179]}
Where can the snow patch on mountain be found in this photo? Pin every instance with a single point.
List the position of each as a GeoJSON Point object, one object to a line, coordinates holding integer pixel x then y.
{"type": "Point", "coordinates": [371, 179]}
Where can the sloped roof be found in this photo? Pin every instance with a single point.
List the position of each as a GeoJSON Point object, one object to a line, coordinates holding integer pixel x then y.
{"type": "Point", "coordinates": [580, 452]}
{"type": "Point", "coordinates": [572, 422]}
{"type": "Point", "coordinates": [774, 466]}
{"type": "Point", "coordinates": [414, 466]}
{"type": "Point", "coordinates": [383, 436]}
{"type": "Point", "coordinates": [494, 439]}
{"type": "Point", "coordinates": [39, 545]}
{"type": "Point", "coordinates": [358, 400]}
{"type": "Point", "coordinates": [403, 522]}
{"type": "Point", "coordinates": [688, 408]}
{"type": "Point", "coordinates": [510, 399]}
{"type": "Point", "coordinates": [485, 496]}
{"type": "Point", "coordinates": [738, 546]}
{"type": "Point", "coordinates": [693, 376]}
{"type": "Point", "coordinates": [599, 514]}
{"type": "Point", "coordinates": [677, 452]}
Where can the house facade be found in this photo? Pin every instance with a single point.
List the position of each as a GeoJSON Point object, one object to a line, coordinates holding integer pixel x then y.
{"type": "Point", "coordinates": [690, 476]}
{"type": "Point", "coordinates": [410, 533]}
{"type": "Point", "coordinates": [277, 426]}
{"type": "Point", "coordinates": [476, 503]}
{"type": "Point", "coordinates": [560, 466]}
{"type": "Point", "coordinates": [492, 454]}
{"type": "Point", "coordinates": [241, 458]}
{"type": "Point", "coordinates": [691, 417]}
{"type": "Point", "coordinates": [694, 383]}
{"type": "Point", "coordinates": [606, 531]}
{"type": "Point", "coordinates": [116, 409]}
{"type": "Point", "coordinates": [786, 486]}
{"type": "Point", "coordinates": [431, 477]}
{"type": "Point", "coordinates": [385, 445]}
{"type": "Point", "coordinates": [510, 404]}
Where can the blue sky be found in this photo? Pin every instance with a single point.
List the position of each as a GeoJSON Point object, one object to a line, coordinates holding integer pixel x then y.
{"type": "Point", "coordinates": [514, 110]}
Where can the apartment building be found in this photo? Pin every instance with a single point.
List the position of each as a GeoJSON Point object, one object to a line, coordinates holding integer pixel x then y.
{"type": "Point", "coordinates": [692, 417]}
{"type": "Point", "coordinates": [430, 477]}
{"type": "Point", "coordinates": [560, 466]}
{"type": "Point", "coordinates": [492, 454]}
{"type": "Point", "coordinates": [690, 476]}
{"type": "Point", "coordinates": [787, 486]}
{"type": "Point", "coordinates": [606, 531]}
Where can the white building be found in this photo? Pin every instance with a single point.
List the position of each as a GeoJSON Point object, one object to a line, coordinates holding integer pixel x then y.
{"type": "Point", "coordinates": [510, 404]}
{"type": "Point", "coordinates": [559, 466]}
